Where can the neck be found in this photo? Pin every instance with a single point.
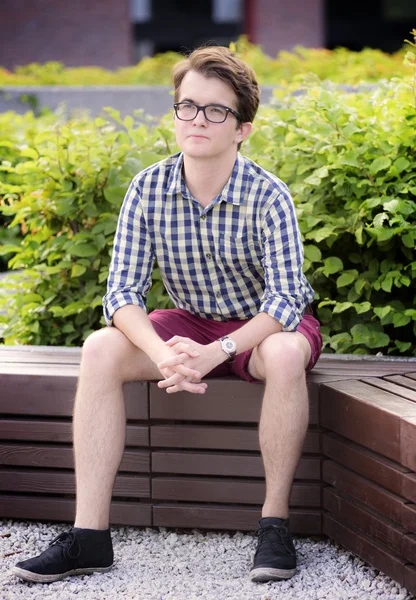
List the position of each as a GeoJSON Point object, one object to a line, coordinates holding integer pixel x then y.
{"type": "Point", "coordinates": [206, 178]}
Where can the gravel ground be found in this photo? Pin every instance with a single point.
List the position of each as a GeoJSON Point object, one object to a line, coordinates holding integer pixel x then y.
{"type": "Point", "coordinates": [160, 564]}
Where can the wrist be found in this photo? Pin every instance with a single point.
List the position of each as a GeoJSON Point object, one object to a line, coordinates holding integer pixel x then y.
{"type": "Point", "coordinates": [217, 352]}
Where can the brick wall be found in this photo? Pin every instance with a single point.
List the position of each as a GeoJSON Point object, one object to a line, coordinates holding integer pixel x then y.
{"type": "Point", "coordinates": [74, 32]}
{"type": "Point", "coordinates": [281, 24]}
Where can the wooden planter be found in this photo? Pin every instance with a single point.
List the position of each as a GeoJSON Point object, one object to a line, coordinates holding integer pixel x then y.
{"type": "Point", "coordinates": [194, 461]}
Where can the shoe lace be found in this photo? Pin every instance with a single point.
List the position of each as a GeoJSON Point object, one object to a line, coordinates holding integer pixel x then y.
{"type": "Point", "coordinates": [264, 534]}
{"type": "Point", "coordinates": [69, 542]}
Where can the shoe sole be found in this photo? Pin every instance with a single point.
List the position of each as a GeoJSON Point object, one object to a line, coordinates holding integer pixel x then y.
{"type": "Point", "coordinates": [37, 578]}
{"type": "Point", "coordinates": [265, 574]}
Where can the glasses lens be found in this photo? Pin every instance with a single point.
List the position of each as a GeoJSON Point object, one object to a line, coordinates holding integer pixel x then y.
{"type": "Point", "coordinates": [186, 111]}
{"type": "Point", "coordinates": [216, 114]}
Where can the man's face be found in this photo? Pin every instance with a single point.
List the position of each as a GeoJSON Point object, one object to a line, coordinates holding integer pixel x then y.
{"type": "Point", "coordinates": [200, 138]}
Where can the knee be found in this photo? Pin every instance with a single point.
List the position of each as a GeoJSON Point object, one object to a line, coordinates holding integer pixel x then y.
{"type": "Point", "coordinates": [103, 350]}
{"type": "Point", "coordinates": [283, 354]}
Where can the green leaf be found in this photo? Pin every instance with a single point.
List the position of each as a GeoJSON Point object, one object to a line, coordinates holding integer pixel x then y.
{"type": "Point", "coordinates": [83, 250]}
{"type": "Point", "coordinates": [332, 264]}
{"type": "Point", "coordinates": [346, 278]}
{"type": "Point", "coordinates": [399, 320]}
{"type": "Point", "coordinates": [362, 307]}
{"type": "Point", "coordinates": [341, 306]}
{"type": "Point", "coordinates": [382, 311]}
{"type": "Point", "coordinates": [312, 253]}
{"type": "Point", "coordinates": [401, 163]}
{"type": "Point", "coordinates": [362, 334]}
{"type": "Point", "coordinates": [29, 153]}
{"type": "Point", "coordinates": [380, 164]}
{"type": "Point", "coordinates": [115, 194]}
{"type": "Point", "coordinates": [78, 270]}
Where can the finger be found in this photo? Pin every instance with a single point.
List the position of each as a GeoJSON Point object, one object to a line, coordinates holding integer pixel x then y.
{"type": "Point", "coordinates": [184, 347]}
{"type": "Point", "coordinates": [188, 373]}
{"type": "Point", "coordinates": [187, 386]}
{"type": "Point", "coordinates": [173, 380]}
{"type": "Point", "coordinates": [172, 361]}
{"type": "Point", "coordinates": [175, 339]}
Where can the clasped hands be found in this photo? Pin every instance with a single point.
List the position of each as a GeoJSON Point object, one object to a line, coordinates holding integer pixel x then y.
{"type": "Point", "coordinates": [189, 363]}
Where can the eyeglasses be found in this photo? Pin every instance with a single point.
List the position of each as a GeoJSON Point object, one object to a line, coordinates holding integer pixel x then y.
{"type": "Point", "coordinates": [215, 113]}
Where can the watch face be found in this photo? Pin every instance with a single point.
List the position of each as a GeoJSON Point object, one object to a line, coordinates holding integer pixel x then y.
{"type": "Point", "coordinates": [229, 345]}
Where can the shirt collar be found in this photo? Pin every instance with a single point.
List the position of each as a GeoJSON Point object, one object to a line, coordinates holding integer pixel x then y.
{"type": "Point", "coordinates": [232, 192]}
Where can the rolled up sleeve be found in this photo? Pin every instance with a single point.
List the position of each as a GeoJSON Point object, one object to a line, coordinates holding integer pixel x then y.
{"type": "Point", "coordinates": [130, 274]}
{"type": "Point", "coordinates": [285, 296]}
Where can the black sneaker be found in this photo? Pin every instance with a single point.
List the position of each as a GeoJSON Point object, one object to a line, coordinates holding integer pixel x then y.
{"type": "Point", "coordinates": [275, 556]}
{"type": "Point", "coordinates": [75, 552]}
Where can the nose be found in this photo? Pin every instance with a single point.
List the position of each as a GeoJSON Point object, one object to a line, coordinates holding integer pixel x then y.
{"type": "Point", "coordinates": [200, 118]}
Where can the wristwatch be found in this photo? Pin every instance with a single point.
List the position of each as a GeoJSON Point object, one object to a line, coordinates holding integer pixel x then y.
{"type": "Point", "coordinates": [228, 346]}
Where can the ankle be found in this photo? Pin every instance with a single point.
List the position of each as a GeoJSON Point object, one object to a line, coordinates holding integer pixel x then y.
{"type": "Point", "coordinates": [93, 524]}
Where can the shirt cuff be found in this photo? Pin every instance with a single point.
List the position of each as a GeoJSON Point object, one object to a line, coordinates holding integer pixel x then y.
{"type": "Point", "coordinates": [113, 301]}
{"type": "Point", "coordinates": [288, 315]}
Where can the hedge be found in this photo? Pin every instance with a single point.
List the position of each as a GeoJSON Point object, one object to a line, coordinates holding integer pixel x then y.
{"type": "Point", "coordinates": [349, 161]}
{"type": "Point", "coordinates": [340, 65]}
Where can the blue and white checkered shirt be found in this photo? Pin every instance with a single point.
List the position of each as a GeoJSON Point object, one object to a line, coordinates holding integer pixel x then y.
{"type": "Point", "coordinates": [240, 255]}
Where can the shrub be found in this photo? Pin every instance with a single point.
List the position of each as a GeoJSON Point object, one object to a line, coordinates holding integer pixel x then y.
{"type": "Point", "coordinates": [339, 65]}
{"type": "Point", "coordinates": [349, 161]}
{"type": "Point", "coordinates": [71, 181]}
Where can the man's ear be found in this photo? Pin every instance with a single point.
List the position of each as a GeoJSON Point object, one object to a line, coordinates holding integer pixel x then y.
{"type": "Point", "coordinates": [243, 132]}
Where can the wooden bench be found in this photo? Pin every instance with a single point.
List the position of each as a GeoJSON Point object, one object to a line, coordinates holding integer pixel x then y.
{"type": "Point", "coordinates": [194, 461]}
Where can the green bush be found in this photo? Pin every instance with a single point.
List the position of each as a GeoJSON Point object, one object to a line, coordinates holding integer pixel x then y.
{"type": "Point", "coordinates": [349, 160]}
{"type": "Point", "coordinates": [67, 190]}
{"type": "Point", "coordinates": [350, 163]}
{"type": "Point", "coordinates": [339, 65]}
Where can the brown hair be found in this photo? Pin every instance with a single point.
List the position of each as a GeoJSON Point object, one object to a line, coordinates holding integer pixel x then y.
{"type": "Point", "coordinates": [219, 61]}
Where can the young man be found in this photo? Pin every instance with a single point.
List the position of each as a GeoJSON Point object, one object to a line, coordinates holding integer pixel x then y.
{"type": "Point", "coordinates": [225, 237]}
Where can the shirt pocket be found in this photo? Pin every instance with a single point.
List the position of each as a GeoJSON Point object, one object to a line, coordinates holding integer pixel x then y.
{"type": "Point", "coordinates": [239, 254]}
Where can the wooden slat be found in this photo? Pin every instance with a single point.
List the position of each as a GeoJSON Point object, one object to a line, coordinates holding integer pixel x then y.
{"type": "Point", "coordinates": [406, 382]}
{"type": "Point", "coordinates": [358, 516]}
{"type": "Point", "coordinates": [54, 456]}
{"type": "Point", "coordinates": [37, 395]}
{"type": "Point", "coordinates": [40, 354]}
{"type": "Point", "coordinates": [60, 482]}
{"type": "Point", "coordinates": [218, 438]}
{"type": "Point", "coordinates": [409, 486]}
{"type": "Point", "coordinates": [53, 396]}
{"type": "Point", "coordinates": [302, 522]}
{"type": "Point", "coordinates": [361, 413]}
{"type": "Point", "coordinates": [365, 462]}
{"type": "Point", "coordinates": [198, 489]}
{"type": "Point", "coordinates": [226, 400]}
{"type": "Point", "coordinates": [328, 364]}
{"type": "Point", "coordinates": [387, 385]}
{"type": "Point", "coordinates": [409, 517]}
{"type": "Point", "coordinates": [409, 547]}
{"type": "Point", "coordinates": [220, 463]}
{"type": "Point", "coordinates": [407, 442]}
{"type": "Point", "coordinates": [410, 578]}
{"type": "Point", "coordinates": [386, 503]}
{"type": "Point", "coordinates": [49, 508]}
{"type": "Point", "coordinates": [41, 430]}
{"type": "Point", "coordinates": [375, 553]}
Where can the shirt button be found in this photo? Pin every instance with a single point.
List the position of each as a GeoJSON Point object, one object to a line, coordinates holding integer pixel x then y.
{"type": "Point", "coordinates": [208, 255]}
{"type": "Point", "coordinates": [218, 294]}
{"type": "Point", "coordinates": [203, 217]}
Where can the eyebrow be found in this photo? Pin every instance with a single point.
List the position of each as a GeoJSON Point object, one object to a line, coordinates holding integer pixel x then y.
{"type": "Point", "coordinates": [193, 102]}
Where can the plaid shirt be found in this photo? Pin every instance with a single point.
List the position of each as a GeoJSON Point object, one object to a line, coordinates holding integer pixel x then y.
{"type": "Point", "coordinates": [240, 255]}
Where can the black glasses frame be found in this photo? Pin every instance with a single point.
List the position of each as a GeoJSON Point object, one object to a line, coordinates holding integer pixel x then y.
{"type": "Point", "coordinates": [198, 108]}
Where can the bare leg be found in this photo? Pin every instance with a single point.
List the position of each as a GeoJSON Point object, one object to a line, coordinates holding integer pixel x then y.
{"type": "Point", "coordinates": [99, 421]}
{"type": "Point", "coordinates": [280, 360]}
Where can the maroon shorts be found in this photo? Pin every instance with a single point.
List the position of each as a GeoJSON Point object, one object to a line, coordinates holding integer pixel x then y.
{"type": "Point", "coordinates": [175, 321]}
